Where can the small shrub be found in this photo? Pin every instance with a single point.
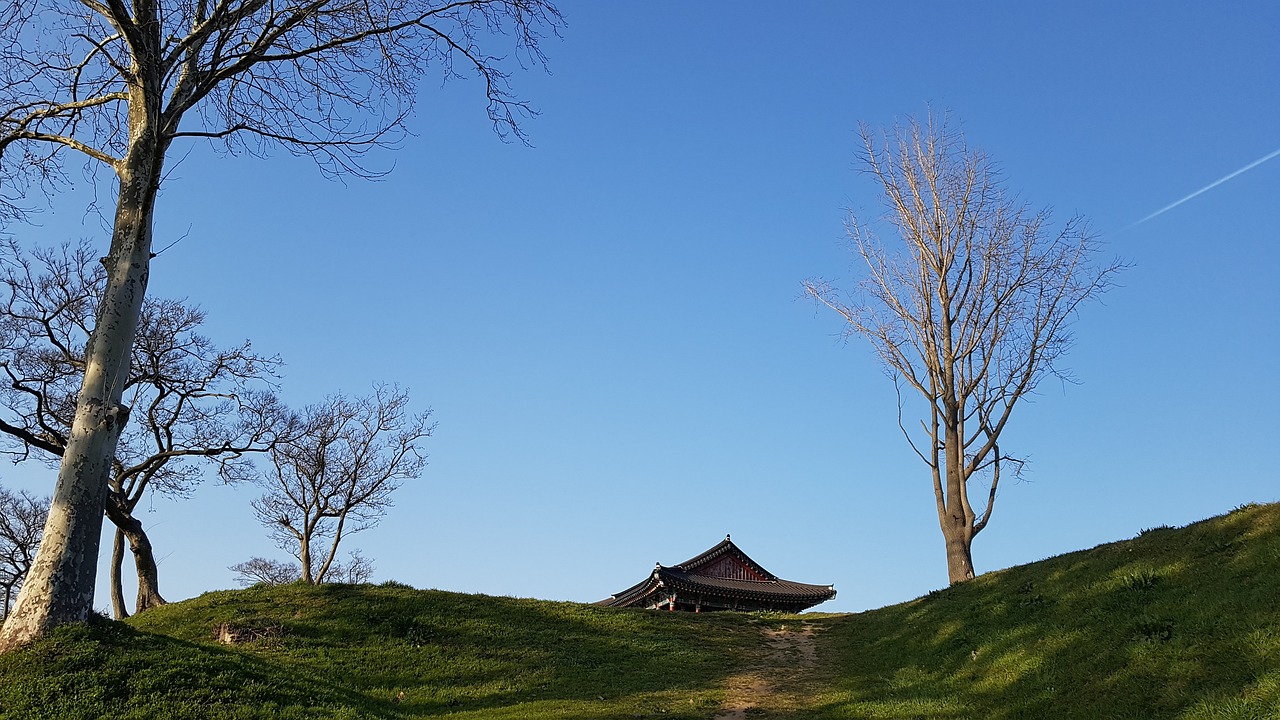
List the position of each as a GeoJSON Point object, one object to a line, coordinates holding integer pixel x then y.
{"type": "Point", "coordinates": [1140, 580]}
{"type": "Point", "coordinates": [1223, 545]}
{"type": "Point", "coordinates": [1032, 601]}
{"type": "Point", "coordinates": [937, 594]}
{"type": "Point", "coordinates": [1149, 629]}
{"type": "Point", "coordinates": [769, 614]}
{"type": "Point", "coordinates": [1029, 598]}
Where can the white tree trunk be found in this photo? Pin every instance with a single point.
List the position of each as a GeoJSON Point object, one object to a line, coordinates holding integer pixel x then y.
{"type": "Point", "coordinates": [60, 585]}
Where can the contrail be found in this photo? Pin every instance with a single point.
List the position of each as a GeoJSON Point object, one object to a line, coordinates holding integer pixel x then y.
{"type": "Point", "coordinates": [1210, 186]}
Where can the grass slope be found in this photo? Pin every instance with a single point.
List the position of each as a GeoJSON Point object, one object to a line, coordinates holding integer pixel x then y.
{"type": "Point", "coordinates": [341, 651]}
{"type": "Point", "coordinates": [1176, 623]}
{"type": "Point", "coordinates": [1173, 624]}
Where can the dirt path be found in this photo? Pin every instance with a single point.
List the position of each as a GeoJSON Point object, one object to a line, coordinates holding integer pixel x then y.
{"type": "Point", "coordinates": [771, 682]}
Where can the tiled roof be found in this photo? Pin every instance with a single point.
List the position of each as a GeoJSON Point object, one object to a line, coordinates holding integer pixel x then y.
{"type": "Point", "coordinates": [775, 589]}
{"type": "Point", "coordinates": [724, 547]}
{"type": "Point", "coordinates": [635, 592]}
{"type": "Point", "coordinates": [685, 578]}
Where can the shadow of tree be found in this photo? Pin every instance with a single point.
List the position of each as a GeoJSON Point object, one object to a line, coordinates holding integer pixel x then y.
{"type": "Point", "coordinates": [394, 652]}
{"type": "Point", "coordinates": [99, 670]}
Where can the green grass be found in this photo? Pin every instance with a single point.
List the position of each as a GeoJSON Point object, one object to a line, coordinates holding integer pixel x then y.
{"type": "Point", "coordinates": [341, 651]}
{"type": "Point", "coordinates": [1176, 623]}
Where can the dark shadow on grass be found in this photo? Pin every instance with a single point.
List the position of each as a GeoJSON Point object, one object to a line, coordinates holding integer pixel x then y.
{"type": "Point", "coordinates": [108, 669]}
{"type": "Point", "coordinates": [460, 652]}
{"type": "Point", "coordinates": [394, 652]}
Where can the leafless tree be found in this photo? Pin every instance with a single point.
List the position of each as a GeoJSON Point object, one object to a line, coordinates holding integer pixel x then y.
{"type": "Point", "coordinates": [22, 516]}
{"type": "Point", "coordinates": [117, 83]}
{"type": "Point", "coordinates": [357, 569]}
{"type": "Point", "coordinates": [337, 476]}
{"type": "Point", "coordinates": [971, 312]}
{"type": "Point", "coordinates": [194, 404]}
{"type": "Point", "coordinates": [265, 571]}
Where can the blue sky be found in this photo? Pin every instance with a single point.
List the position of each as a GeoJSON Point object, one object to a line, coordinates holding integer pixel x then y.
{"type": "Point", "coordinates": [608, 324]}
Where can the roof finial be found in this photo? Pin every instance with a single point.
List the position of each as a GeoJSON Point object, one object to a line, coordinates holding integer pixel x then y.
{"type": "Point", "coordinates": [726, 536]}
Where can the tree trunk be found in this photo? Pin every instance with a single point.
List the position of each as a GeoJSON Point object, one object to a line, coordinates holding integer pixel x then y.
{"type": "Point", "coordinates": [333, 550]}
{"type": "Point", "coordinates": [959, 555]}
{"type": "Point", "coordinates": [304, 558]}
{"type": "Point", "coordinates": [118, 609]}
{"type": "Point", "coordinates": [144, 560]}
{"type": "Point", "coordinates": [956, 520]}
{"type": "Point", "coordinates": [60, 585]}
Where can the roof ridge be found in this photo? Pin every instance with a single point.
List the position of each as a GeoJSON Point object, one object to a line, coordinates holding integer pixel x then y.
{"type": "Point", "coordinates": [723, 547]}
{"type": "Point", "coordinates": [664, 581]}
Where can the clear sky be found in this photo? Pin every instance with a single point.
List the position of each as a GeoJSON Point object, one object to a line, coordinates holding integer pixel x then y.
{"type": "Point", "coordinates": [608, 324]}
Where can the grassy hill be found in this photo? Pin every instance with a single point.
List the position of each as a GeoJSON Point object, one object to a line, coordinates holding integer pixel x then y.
{"type": "Point", "coordinates": [1176, 623]}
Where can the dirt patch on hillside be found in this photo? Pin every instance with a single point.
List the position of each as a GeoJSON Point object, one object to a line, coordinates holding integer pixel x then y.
{"type": "Point", "coordinates": [777, 677]}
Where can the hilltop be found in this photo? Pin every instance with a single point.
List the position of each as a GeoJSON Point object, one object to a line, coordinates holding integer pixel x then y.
{"type": "Point", "coordinates": [1175, 623]}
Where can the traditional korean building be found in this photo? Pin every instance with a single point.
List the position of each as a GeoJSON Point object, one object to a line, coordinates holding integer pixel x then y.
{"type": "Point", "coordinates": [722, 578]}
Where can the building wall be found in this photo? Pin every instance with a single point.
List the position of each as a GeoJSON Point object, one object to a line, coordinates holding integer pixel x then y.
{"type": "Point", "coordinates": [729, 567]}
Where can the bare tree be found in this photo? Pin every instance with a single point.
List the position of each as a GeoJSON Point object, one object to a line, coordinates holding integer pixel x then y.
{"type": "Point", "coordinates": [337, 476]}
{"type": "Point", "coordinates": [971, 313]}
{"type": "Point", "coordinates": [118, 83]}
{"type": "Point", "coordinates": [265, 571]}
{"type": "Point", "coordinates": [196, 404]}
{"type": "Point", "coordinates": [357, 569]}
{"type": "Point", "coordinates": [22, 515]}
